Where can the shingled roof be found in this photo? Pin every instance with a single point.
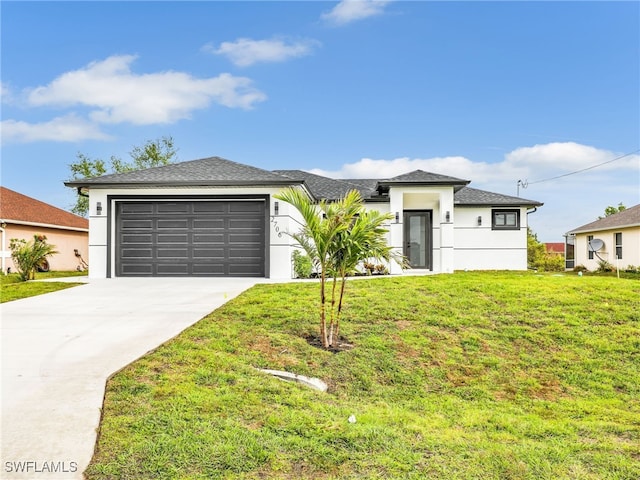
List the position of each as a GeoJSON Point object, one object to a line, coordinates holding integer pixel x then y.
{"type": "Point", "coordinates": [20, 209]}
{"type": "Point", "coordinates": [329, 188]}
{"type": "Point", "coordinates": [468, 196]}
{"type": "Point", "coordinates": [420, 177]}
{"type": "Point", "coordinates": [216, 172]}
{"type": "Point", "coordinates": [212, 171]}
{"type": "Point", "coordinates": [629, 217]}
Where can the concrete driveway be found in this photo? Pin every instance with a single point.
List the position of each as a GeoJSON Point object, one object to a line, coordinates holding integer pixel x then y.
{"type": "Point", "coordinates": [59, 349]}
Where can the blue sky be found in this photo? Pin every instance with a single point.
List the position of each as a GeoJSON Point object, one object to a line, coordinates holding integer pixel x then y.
{"type": "Point", "coordinates": [493, 92]}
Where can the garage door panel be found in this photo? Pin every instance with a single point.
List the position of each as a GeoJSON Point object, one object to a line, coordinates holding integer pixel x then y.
{"type": "Point", "coordinates": [208, 224]}
{"type": "Point", "coordinates": [136, 269]}
{"type": "Point", "coordinates": [146, 253]}
{"type": "Point", "coordinates": [172, 239]}
{"type": "Point", "coordinates": [180, 253]}
{"type": "Point", "coordinates": [213, 253]}
{"type": "Point", "coordinates": [184, 238]}
{"type": "Point", "coordinates": [210, 207]}
{"type": "Point", "coordinates": [168, 269]}
{"type": "Point", "coordinates": [246, 207]}
{"type": "Point", "coordinates": [137, 208]}
{"type": "Point", "coordinates": [210, 238]}
{"type": "Point", "coordinates": [141, 238]}
{"type": "Point", "coordinates": [209, 269]}
{"type": "Point", "coordinates": [137, 224]}
{"type": "Point", "coordinates": [179, 208]}
{"type": "Point", "coordinates": [172, 224]}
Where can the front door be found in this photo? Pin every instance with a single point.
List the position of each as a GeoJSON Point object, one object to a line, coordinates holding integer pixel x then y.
{"type": "Point", "coordinates": [417, 238]}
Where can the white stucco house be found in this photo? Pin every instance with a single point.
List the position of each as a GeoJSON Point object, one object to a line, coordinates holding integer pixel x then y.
{"type": "Point", "coordinates": [619, 236]}
{"type": "Point", "coordinates": [215, 217]}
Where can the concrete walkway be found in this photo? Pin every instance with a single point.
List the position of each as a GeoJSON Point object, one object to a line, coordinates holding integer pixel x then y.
{"type": "Point", "coordinates": [59, 349]}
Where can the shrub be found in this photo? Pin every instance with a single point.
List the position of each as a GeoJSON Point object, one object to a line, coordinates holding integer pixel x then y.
{"type": "Point", "coordinates": [302, 266]}
{"type": "Point", "coordinates": [580, 268]}
{"type": "Point", "coordinates": [550, 263]}
{"type": "Point", "coordinates": [29, 256]}
{"type": "Point", "coordinates": [632, 269]}
{"type": "Point", "coordinates": [604, 266]}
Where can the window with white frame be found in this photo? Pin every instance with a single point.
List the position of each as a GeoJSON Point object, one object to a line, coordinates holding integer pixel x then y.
{"type": "Point", "coordinates": [589, 251]}
{"type": "Point", "coordinates": [618, 238]}
{"type": "Point", "coordinates": [505, 219]}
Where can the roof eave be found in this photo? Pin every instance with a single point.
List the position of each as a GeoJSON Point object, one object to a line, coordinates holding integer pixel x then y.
{"type": "Point", "coordinates": [498, 205]}
{"type": "Point", "coordinates": [189, 183]}
{"type": "Point", "coordinates": [601, 229]}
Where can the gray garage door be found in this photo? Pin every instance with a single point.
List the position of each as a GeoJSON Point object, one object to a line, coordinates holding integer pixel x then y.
{"type": "Point", "coordinates": [190, 238]}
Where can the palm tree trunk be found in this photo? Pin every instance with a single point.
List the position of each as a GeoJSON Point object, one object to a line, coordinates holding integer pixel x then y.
{"type": "Point", "coordinates": [323, 322]}
{"type": "Point", "coordinates": [344, 280]}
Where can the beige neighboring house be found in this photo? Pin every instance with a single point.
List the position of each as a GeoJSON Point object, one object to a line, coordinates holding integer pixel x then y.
{"type": "Point", "coordinates": [620, 236]}
{"type": "Point", "coordinates": [23, 217]}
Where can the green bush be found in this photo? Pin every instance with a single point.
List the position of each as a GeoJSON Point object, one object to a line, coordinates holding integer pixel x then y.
{"type": "Point", "coordinates": [580, 268]}
{"type": "Point", "coordinates": [28, 256]}
{"type": "Point", "coordinates": [604, 266]}
{"type": "Point", "coordinates": [550, 263]}
{"type": "Point", "coordinates": [302, 266]}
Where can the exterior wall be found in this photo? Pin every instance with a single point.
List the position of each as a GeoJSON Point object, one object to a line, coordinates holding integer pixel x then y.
{"type": "Point", "coordinates": [65, 242]}
{"type": "Point", "coordinates": [458, 244]}
{"type": "Point", "coordinates": [478, 247]}
{"type": "Point", "coordinates": [630, 248]}
{"type": "Point", "coordinates": [101, 225]}
{"type": "Point", "coordinates": [440, 201]}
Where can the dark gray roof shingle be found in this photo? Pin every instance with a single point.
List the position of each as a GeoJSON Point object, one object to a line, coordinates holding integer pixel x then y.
{"type": "Point", "coordinates": [629, 217]}
{"type": "Point", "coordinates": [421, 177]}
{"type": "Point", "coordinates": [468, 196]}
{"type": "Point", "coordinates": [329, 188]}
{"type": "Point", "coordinates": [214, 171]}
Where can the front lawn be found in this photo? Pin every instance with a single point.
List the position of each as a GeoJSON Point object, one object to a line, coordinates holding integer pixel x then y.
{"type": "Point", "coordinates": [11, 288]}
{"type": "Point", "coordinates": [464, 376]}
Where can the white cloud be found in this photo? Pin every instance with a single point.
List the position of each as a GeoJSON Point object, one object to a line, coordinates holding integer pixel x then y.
{"type": "Point", "coordinates": [533, 163]}
{"type": "Point", "coordinates": [569, 201]}
{"type": "Point", "coordinates": [245, 51]}
{"type": "Point", "coordinates": [119, 95]}
{"type": "Point", "coordinates": [348, 11]}
{"type": "Point", "coordinates": [69, 128]}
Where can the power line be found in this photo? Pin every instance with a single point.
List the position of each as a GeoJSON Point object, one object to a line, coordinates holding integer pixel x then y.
{"type": "Point", "coordinates": [525, 184]}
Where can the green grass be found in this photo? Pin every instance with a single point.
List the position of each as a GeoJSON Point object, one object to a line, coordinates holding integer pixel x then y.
{"type": "Point", "coordinates": [11, 288]}
{"type": "Point", "coordinates": [466, 376]}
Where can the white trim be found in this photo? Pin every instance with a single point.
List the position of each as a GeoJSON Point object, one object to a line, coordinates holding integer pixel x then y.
{"type": "Point", "coordinates": [43, 225]}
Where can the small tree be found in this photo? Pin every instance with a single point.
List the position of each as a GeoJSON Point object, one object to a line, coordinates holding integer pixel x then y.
{"type": "Point", "coordinates": [610, 210]}
{"type": "Point", "coordinates": [28, 256]}
{"type": "Point", "coordinates": [337, 237]}
{"type": "Point", "coordinates": [154, 153]}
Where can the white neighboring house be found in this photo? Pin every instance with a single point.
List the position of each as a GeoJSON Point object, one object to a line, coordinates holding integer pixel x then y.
{"type": "Point", "coordinates": [215, 217]}
{"type": "Point", "coordinates": [620, 235]}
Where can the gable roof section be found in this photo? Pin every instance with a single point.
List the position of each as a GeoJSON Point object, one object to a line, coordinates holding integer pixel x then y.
{"type": "Point", "coordinates": [212, 171]}
{"type": "Point", "coordinates": [329, 188]}
{"type": "Point", "coordinates": [420, 177]}
{"type": "Point", "coordinates": [20, 209]}
{"type": "Point", "coordinates": [470, 197]}
{"type": "Point", "coordinates": [216, 172]}
{"type": "Point", "coordinates": [624, 219]}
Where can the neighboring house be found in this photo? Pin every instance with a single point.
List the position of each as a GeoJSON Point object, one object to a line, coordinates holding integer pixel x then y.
{"type": "Point", "coordinates": [620, 236]}
{"type": "Point", "coordinates": [214, 217]}
{"type": "Point", "coordinates": [23, 217]}
{"type": "Point", "coordinates": [554, 248]}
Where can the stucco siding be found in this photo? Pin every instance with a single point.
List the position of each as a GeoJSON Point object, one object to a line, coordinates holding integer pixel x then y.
{"type": "Point", "coordinates": [630, 248]}
{"type": "Point", "coordinates": [65, 242]}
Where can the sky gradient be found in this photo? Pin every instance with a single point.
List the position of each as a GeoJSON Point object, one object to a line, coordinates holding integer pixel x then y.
{"type": "Point", "coordinates": [492, 92]}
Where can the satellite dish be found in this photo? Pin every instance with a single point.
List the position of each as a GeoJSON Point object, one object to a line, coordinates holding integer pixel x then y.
{"type": "Point", "coordinates": [595, 244]}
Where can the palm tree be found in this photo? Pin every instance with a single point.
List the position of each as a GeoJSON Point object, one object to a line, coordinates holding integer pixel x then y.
{"type": "Point", "coordinates": [337, 237]}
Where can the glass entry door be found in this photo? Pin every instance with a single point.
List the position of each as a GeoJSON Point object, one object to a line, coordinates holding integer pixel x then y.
{"type": "Point", "coordinates": [417, 238]}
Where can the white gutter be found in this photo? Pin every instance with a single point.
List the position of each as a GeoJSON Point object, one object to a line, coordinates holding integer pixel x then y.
{"type": "Point", "coordinates": [45, 225]}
